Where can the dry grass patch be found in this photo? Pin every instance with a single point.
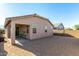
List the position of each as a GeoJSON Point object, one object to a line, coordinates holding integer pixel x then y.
{"type": "Point", "coordinates": [74, 33]}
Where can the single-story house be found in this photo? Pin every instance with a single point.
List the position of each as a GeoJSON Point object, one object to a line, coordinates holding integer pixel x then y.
{"type": "Point", "coordinates": [59, 26]}
{"type": "Point", "coordinates": [28, 26]}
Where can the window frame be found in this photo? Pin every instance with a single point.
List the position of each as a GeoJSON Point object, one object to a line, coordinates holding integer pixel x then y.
{"type": "Point", "coordinates": [34, 30]}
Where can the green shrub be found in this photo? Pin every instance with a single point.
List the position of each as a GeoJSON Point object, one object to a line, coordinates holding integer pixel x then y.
{"type": "Point", "coordinates": [76, 27]}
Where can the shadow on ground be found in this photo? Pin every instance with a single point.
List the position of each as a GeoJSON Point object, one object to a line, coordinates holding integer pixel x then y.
{"type": "Point", "coordinates": [63, 34]}
{"type": "Point", "coordinates": [2, 51]}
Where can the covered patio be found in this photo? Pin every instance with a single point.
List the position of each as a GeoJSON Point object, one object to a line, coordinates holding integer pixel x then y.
{"type": "Point", "coordinates": [18, 31]}
{"type": "Point", "coordinates": [22, 31]}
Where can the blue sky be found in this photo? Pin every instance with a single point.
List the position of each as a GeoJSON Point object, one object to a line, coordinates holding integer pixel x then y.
{"type": "Point", "coordinates": [66, 13]}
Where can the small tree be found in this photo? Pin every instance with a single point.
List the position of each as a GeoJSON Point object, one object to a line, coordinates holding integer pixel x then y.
{"type": "Point", "coordinates": [2, 31]}
{"type": "Point", "coordinates": [76, 27]}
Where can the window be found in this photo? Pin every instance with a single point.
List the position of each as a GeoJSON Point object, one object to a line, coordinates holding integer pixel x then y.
{"type": "Point", "coordinates": [45, 28]}
{"type": "Point", "coordinates": [34, 30]}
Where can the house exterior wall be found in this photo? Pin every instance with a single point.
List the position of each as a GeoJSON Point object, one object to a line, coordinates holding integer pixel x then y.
{"type": "Point", "coordinates": [7, 31]}
{"type": "Point", "coordinates": [10, 32]}
{"type": "Point", "coordinates": [37, 23]}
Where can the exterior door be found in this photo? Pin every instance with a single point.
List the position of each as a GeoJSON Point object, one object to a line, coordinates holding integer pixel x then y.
{"type": "Point", "coordinates": [17, 31]}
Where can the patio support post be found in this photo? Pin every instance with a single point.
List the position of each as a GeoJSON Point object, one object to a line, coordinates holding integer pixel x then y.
{"type": "Point", "coordinates": [12, 33]}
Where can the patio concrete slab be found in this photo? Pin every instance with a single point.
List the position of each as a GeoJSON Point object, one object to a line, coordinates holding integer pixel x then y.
{"type": "Point", "coordinates": [51, 46]}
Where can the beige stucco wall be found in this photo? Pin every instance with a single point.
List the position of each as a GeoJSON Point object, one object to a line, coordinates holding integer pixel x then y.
{"type": "Point", "coordinates": [10, 29]}
{"type": "Point", "coordinates": [35, 22]}
{"type": "Point", "coordinates": [7, 30]}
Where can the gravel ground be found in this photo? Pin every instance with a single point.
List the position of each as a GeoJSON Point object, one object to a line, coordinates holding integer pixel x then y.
{"type": "Point", "coordinates": [2, 51]}
{"type": "Point", "coordinates": [50, 46]}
